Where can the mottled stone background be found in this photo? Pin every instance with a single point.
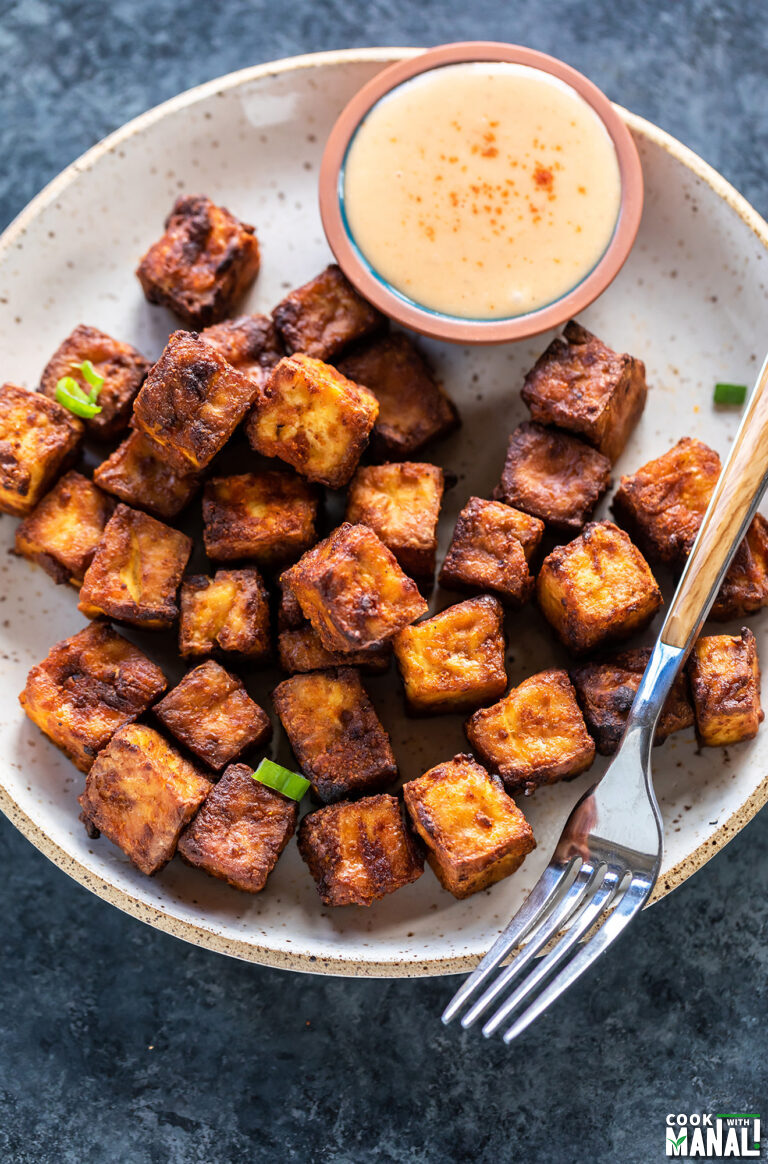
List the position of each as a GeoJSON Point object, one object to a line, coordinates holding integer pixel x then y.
{"type": "Point", "coordinates": [118, 1043]}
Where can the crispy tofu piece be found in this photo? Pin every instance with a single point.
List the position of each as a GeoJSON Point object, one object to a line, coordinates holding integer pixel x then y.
{"type": "Point", "coordinates": [745, 589]}
{"type": "Point", "coordinates": [38, 440]}
{"type": "Point", "coordinates": [325, 315]}
{"type": "Point", "coordinates": [553, 476]}
{"type": "Point", "coordinates": [597, 589]}
{"type": "Point", "coordinates": [606, 691]}
{"type": "Point", "coordinates": [581, 385]}
{"type": "Point", "coordinates": [203, 264]}
{"type": "Point", "coordinates": [413, 408]}
{"type": "Point", "coordinates": [136, 570]}
{"type": "Point", "coordinates": [473, 832]}
{"type": "Point", "coordinates": [486, 552]}
{"type": "Point", "coordinates": [454, 660]}
{"type": "Point", "coordinates": [63, 530]}
{"type": "Point", "coordinates": [290, 616]}
{"type": "Point", "coordinates": [352, 590]}
{"type": "Point", "coordinates": [358, 853]}
{"type": "Point", "coordinates": [139, 473]}
{"type": "Point", "coordinates": [122, 368]}
{"type": "Point", "coordinates": [192, 401]}
{"type": "Point", "coordinates": [249, 343]}
{"type": "Point", "coordinates": [335, 733]}
{"type": "Point", "coordinates": [300, 650]}
{"type": "Point", "coordinates": [212, 714]}
{"type": "Point", "coordinates": [725, 682]}
{"type": "Point", "coordinates": [140, 793]}
{"type": "Point", "coordinates": [240, 830]}
{"type": "Point", "coordinates": [267, 516]}
{"type": "Point", "coordinates": [314, 418]}
{"type": "Point", "coordinates": [536, 735]}
{"type": "Point", "coordinates": [87, 687]}
{"type": "Point", "coordinates": [227, 614]}
{"type": "Point", "coordinates": [400, 502]}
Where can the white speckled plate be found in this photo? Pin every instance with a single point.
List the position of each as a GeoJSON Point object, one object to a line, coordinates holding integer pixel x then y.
{"type": "Point", "coordinates": [691, 302]}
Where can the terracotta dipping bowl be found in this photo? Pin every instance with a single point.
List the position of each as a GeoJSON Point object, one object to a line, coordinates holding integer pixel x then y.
{"type": "Point", "coordinates": [458, 329]}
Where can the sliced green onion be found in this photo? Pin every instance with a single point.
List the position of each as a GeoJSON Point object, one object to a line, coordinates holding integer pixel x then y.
{"type": "Point", "coordinates": [291, 784]}
{"type": "Point", "coordinates": [730, 393]}
{"type": "Point", "coordinates": [92, 376]}
{"type": "Point", "coordinates": [70, 395]}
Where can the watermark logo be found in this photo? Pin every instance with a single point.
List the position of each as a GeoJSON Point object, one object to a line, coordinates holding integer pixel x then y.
{"type": "Point", "coordinates": [727, 1135]}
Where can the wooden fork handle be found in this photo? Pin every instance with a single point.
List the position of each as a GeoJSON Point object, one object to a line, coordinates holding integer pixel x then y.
{"type": "Point", "coordinates": [734, 503]}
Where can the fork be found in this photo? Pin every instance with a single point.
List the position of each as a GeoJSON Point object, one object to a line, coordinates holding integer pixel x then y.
{"type": "Point", "coordinates": [607, 860]}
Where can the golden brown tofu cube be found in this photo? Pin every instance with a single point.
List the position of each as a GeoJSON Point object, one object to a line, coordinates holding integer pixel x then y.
{"type": "Point", "coordinates": [581, 385]}
{"type": "Point", "coordinates": [606, 691]}
{"type": "Point", "coordinates": [300, 650]}
{"type": "Point", "coordinates": [314, 418]}
{"type": "Point", "coordinates": [358, 853]}
{"type": "Point", "coordinates": [401, 503]}
{"type": "Point", "coordinates": [250, 344]}
{"type": "Point", "coordinates": [486, 552]}
{"type": "Point", "coordinates": [268, 516]}
{"type": "Point", "coordinates": [325, 315]}
{"type": "Point", "coordinates": [413, 408]}
{"type": "Point", "coordinates": [745, 589]}
{"type": "Point", "coordinates": [139, 473]}
{"type": "Point", "coordinates": [473, 832]}
{"type": "Point", "coordinates": [136, 570]}
{"type": "Point", "coordinates": [62, 532]}
{"type": "Point", "coordinates": [536, 735]}
{"type": "Point", "coordinates": [38, 439]}
{"type": "Point", "coordinates": [662, 504]}
{"type": "Point", "coordinates": [597, 589]}
{"type": "Point", "coordinates": [89, 686]}
{"type": "Point", "coordinates": [553, 476]}
{"type": "Point", "coordinates": [227, 614]}
{"type": "Point", "coordinates": [140, 792]}
{"type": "Point", "coordinates": [725, 683]}
{"type": "Point", "coordinates": [335, 733]}
{"type": "Point", "coordinates": [203, 264]}
{"type": "Point", "coordinates": [240, 831]}
{"type": "Point", "coordinates": [121, 367]}
{"type": "Point", "coordinates": [212, 714]}
{"type": "Point", "coordinates": [352, 590]}
{"type": "Point", "coordinates": [454, 660]}
{"type": "Point", "coordinates": [192, 401]}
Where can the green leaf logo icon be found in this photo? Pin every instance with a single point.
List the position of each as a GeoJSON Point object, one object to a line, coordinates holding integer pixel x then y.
{"type": "Point", "coordinates": [675, 1143]}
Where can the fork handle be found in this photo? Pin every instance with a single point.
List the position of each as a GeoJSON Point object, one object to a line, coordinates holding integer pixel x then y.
{"type": "Point", "coordinates": [733, 505]}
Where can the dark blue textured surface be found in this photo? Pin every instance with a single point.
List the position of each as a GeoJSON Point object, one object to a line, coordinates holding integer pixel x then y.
{"type": "Point", "coordinates": [118, 1043]}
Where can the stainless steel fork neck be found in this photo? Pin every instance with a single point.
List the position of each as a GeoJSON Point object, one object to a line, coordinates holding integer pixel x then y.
{"type": "Point", "coordinates": [657, 682]}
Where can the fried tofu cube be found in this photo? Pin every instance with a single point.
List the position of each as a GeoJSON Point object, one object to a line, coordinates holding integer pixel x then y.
{"type": "Point", "coordinates": [352, 590]}
{"type": "Point", "coordinates": [597, 589]}
{"type": "Point", "coordinates": [473, 832]}
{"type": "Point", "coordinates": [290, 616]}
{"type": "Point", "coordinates": [38, 440]}
{"type": "Point", "coordinates": [314, 418]}
{"type": "Point", "coordinates": [401, 503]}
{"type": "Point", "coordinates": [240, 830]}
{"type": "Point", "coordinates": [62, 532]}
{"type": "Point", "coordinates": [227, 614]}
{"type": "Point", "coordinates": [553, 476]}
{"type": "Point", "coordinates": [486, 552]}
{"type": "Point", "coordinates": [335, 733]}
{"type": "Point", "coordinates": [268, 516]}
{"type": "Point", "coordinates": [606, 691]}
{"type": "Point", "coordinates": [192, 401]}
{"type": "Point", "coordinates": [325, 315]}
{"type": "Point", "coordinates": [136, 570]}
{"type": "Point", "coordinates": [413, 408]}
{"type": "Point", "coordinates": [725, 683]}
{"type": "Point", "coordinates": [212, 714]}
{"type": "Point", "coordinates": [139, 473]}
{"type": "Point", "coordinates": [581, 385]}
{"type": "Point", "coordinates": [358, 853]}
{"type": "Point", "coordinates": [536, 735]}
{"type": "Point", "coordinates": [140, 792]}
{"type": "Point", "coordinates": [745, 588]}
{"type": "Point", "coordinates": [454, 660]}
{"type": "Point", "coordinates": [89, 686]}
{"type": "Point", "coordinates": [121, 367]}
{"type": "Point", "coordinates": [249, 343]}
{"type": "Point", "coordinates": [203, 264]}
{"type": "Point", "coordinates": [300, 650]}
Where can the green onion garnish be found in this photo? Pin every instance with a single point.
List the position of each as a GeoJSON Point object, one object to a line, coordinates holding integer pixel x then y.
{"type": "Point", "coordinates": [730, 393]}
{"type": "Point", "coordinates": [71, 395]}
{"type": "Point", "coordinates": [291, 784]}
{"type": "Point", "coordinates": [91, 375]}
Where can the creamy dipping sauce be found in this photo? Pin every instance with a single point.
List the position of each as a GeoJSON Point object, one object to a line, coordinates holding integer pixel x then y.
{"type": "Point", "coordinates": [482, 190]}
